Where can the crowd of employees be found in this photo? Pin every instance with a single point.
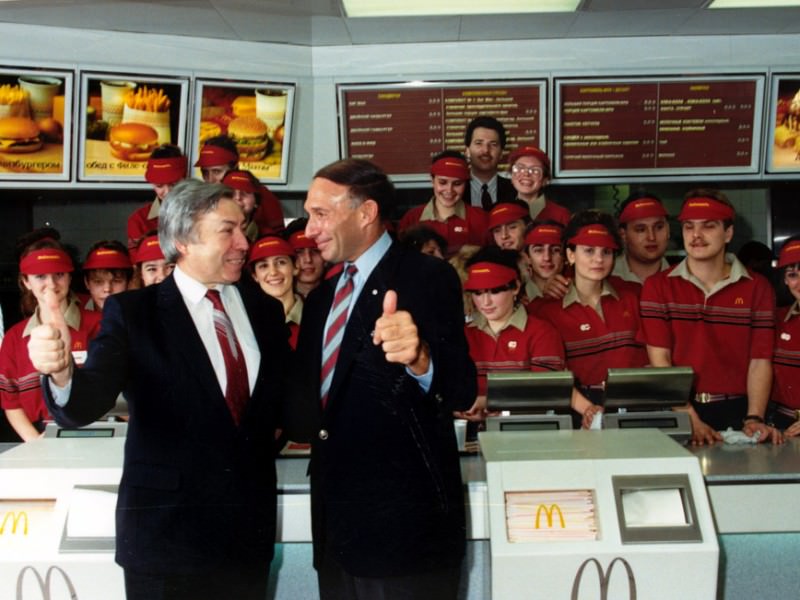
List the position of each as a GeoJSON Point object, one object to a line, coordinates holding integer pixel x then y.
{"type": "Point", "coordinates": [377, 345]}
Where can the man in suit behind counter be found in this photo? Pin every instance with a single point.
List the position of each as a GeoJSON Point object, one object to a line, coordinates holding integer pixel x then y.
{"type": "Point", "coordinates": [383, 343]}
{"type": "Point", "coordinates": [484, 141]}
{"type": "Point", "coordinates": [201, 367]}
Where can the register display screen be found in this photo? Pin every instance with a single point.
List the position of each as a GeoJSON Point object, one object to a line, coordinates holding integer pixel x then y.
{"type": "Point", "coordinates": [94, 432]}
{"type": "Point", "coordinates": [653, 508]}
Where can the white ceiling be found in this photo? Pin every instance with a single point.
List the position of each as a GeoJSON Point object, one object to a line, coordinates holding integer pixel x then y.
{"type": "Point", "coordinates": [321, 22]}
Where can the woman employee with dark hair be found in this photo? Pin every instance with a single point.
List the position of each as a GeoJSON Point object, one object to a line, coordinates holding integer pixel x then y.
{"type": "Point", "coordinates": [446, 213]}
{"type": "Point", "coordinates": [785, 406]}
{"type": "Point", "coordinates": [598, 323]}
{"type": "Point", "coordinates": [502, 336]}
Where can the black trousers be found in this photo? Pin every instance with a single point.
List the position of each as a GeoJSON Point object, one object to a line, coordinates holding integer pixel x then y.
{"type": "Point", "coordinates": [215, 584]}
{"type": "Point", "coordinates": [337, 584]}
{"type": "Point", "coordinates": [723, 414]}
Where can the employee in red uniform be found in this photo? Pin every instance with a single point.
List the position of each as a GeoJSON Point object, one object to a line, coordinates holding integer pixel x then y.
{"type": "Point", "coordinates": [272, 266]}
{"type": "Point", "coordinates": [165, 167]}
{"type": "Point", "coordinates": [310, 264]}
{"type": "Point", "coordinates": [44, 266]}
{"type": "Point", "coordinates": [545, 257]}
{"type": "Point", "coordinates": [599, 323]}
{"type": "Point", "coordinates": [644, 229]}
{"type": "Point", "coordinates": [107, 270]}
{"type": "Point", "coordinates": [218, 157]}
{"type": "Point", "coordinates": [508, 224]}
{"type": "Point", "coordinates": [446, 212]}
{"type": "Point", "coordinates": [710, 313]}
{"type": "Point", "coordinates": [530, 174]}
{"type": "Point", "coordinates": [150, 265]}
{"type": "Point", "coordinates": [785, 405]}
{"type": "Point", "coordinates": [502, 336]}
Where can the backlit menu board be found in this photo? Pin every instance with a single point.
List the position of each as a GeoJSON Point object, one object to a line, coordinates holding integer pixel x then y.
{"type": "Point", "coordinates": [401, 126]}
{"type": "Point", "coordinates": [658, 126]}
{"type": "Point", "coordinates": [124, 118]}
{"type": "Point", "coordinates": [783, 141]}
{"type": "Point", "coordinates": [35, 131]}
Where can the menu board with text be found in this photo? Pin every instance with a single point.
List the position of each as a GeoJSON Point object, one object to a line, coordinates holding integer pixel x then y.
{"type": "Point", "coordinates": [35, 118]}
{"type": "Point", "coordinates": [401, 127]}
{"type": "Point", "coordinates": [658, 126]}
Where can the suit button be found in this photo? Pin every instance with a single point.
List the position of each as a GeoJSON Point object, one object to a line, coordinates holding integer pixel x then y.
{"type": "Point", "coordinates": [323, 434]}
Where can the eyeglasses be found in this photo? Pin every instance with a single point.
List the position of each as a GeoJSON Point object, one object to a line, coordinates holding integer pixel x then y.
{"type": "Point", "coordinates": [520, 169]}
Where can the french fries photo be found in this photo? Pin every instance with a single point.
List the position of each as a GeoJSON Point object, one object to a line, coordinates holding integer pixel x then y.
{"type": "Point", "coordinates": [147, 99]}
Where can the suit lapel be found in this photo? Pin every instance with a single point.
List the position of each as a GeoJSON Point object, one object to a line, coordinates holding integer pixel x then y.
{"type": "Point", "coordinates": [176, 320]}
{"type": "Point", "coordinates": [361, 324]}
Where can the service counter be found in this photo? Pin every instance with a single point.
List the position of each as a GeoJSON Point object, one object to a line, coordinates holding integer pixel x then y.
{"type": "Point", "coordinates": [56, 507]}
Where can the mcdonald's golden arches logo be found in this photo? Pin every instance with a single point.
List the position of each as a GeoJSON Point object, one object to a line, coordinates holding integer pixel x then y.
{"type": "Point", "coordinates": [739, 300]}
{"type": "Point", "coordinates": [14, 518]}
{"type": "Point", "coordinates": [44, 584]}
{"type": "Point", "coordinates": [604, 578]}
{"type": "Point", "coordinates": [548, 512]}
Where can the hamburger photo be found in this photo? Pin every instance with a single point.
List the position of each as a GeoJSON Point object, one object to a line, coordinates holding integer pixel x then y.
{"type": "Point", "coordinates": [250, 136]}
{"type": "Point", "coordinates": [132, 141]}
{"type": "Point", "coordinates": [19, 135]}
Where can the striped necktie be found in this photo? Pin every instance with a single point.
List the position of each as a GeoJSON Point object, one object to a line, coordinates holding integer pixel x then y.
{"type": "Point", "coordinates": [237, 390]}
{"type": "Point", "coordinates": [335, 331]}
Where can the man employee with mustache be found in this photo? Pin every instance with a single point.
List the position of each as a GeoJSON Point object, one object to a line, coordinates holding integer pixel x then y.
{"type": "Point", "coordinates": [484, 142]}
{"type": "Point", "coordinates": [710, 313]}
{"type": "Point", "coordinates": [201, 365]}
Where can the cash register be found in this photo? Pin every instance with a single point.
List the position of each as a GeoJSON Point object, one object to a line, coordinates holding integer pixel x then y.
{"type": "Point", "coordinates": [529, 401]}
{"type": "Point", "coordinates": [644, 398]}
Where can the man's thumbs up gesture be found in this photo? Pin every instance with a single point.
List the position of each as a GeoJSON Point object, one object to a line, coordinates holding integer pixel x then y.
{"type": "Point", "coordinates": [397, 334]}
{"type": "Point", "coordinates": [50, 343]}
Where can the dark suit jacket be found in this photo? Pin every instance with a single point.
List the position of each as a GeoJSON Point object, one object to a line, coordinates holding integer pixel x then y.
{"type": "Point", "coordinates": [505, 192]}
{"type": "Point", "coordinates": [387, 495]}
{"type": "Point", "coordinates": [196, 490]}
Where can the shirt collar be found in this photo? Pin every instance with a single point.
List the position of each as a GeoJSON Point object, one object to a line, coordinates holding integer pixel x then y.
{"type": "Point", "coordinates": [155, 208]}
{"type": "Point", "coordinates": [536, 205]}
{"type": "Point", "coordinates": [738, 271]}
{"type": "Point", "coordinates": [793, 311]}
{"type": "Point", "coordinates": [623, 270]}
{"type": "Point", "coordinates": [370, 258]}
{"type": "Point", "coordinates": [192, 290]}
{"type": "Point", "coordinates": [477, 185]}
{"type": "Point", "coordinates": [72, 317]}
{"type": "Point", "coordinates": [429, 213]}
{"type": "Point", "coordinates": [294, 314]}
{"type": "Point", "coordinates": [518, 320]}
{"type": "Point", "coordinates": [571, 296]}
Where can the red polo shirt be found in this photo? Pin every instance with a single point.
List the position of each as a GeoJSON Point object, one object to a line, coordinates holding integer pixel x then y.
{"type": "Point", "coordinates": [542, 209]}
{"type": "Point", "coordinates": [19, 381]}
{"type": "Point", "coordinates": [786, 360]}
{"type": "Point", "coordinates": [141, 222]}
{"type": "Point", "coordinates": [524, 344]}
{"type": "Point", "coordinates": [595, 343]}
{"type": "Point", "coordinates": [716, 333]}
{"type": "Point", "coordinates": [470, 225]}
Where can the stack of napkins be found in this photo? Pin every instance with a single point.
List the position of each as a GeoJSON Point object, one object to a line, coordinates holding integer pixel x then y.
{"type": "Point", "coordinates": [550, 515]}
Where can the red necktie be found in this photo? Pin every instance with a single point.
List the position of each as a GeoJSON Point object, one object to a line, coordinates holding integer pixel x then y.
{"type": "Point", "coordinates": [335, 331]}
{"type": "Point", "coordinates": [486, 197]}
{"type": "Point", "coordinates": [238, 389]}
